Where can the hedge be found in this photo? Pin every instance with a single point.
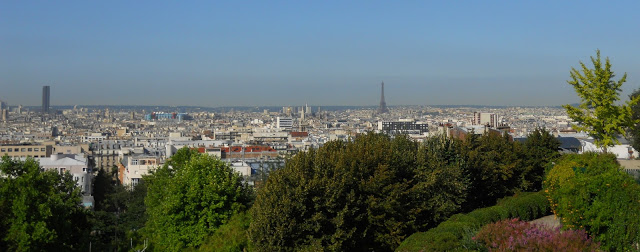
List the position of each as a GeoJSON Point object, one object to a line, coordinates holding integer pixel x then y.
{"type": "Point", "coordinates": [455, 233]}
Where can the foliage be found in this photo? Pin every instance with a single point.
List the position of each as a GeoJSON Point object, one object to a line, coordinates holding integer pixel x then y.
{"type": "Point", "coordinates": [189, 198]}
{"type": "Point", "coordinates": [516, 235]}
{"type": "Point", "coordinates": [634, 131]}
{"type": "Point", "coordinates": [455, 233]}
{"type": "Point", "coordinates": [591, 192]}
{"type": "Point", "coordinates": [494, 167]}
{"type": "Point", "coordinates": [540, 150]}
{"type": "Point", "coordinates": [231, 236]}
{"type": "Point", "coordinates": [119, 214]}
{"type": "Point", "coordinates": [39, 210]}
{"type": "Point", "coordinates": [361, 195]}
{"type": "Point", "coordinates": [598, 114]}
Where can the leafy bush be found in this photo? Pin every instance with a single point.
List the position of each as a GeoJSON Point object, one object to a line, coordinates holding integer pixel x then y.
{"type": "Point", "coordinates": [516, 235]}
{"type": "Point", "coordinates": [455, 233]}
{"type": "Point", "coordinates": [591, 192]}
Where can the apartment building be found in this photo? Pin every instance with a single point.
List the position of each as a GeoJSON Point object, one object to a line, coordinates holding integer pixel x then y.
{"type": "Point", "coordinates": [39, 150]}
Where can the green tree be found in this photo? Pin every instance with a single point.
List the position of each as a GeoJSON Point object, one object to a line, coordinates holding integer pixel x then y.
{"type": "Point", "coordinates": [494, 166]}
{"type": "Point", "coordinates": [230, 237]}
{"type": "Point", "coordinates": [634, 132]}
{"type": "Point", "coordinates": [119, 214]}
{"type": "Point", "coordinates": [362, 195]}
{"type": "Point", "coordinates": [189, 198]}
{"type": "Point", "coordinates": [598, 114]}
{"type": "Point", "coordinates": [40, 210]}
{"type": "Point", "coordinates": [540, 149]}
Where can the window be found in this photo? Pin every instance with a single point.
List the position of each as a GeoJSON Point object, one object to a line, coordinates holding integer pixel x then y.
{"type": "Point", "coordinates": [134, 162]}
{"type": "Point", "coordinates": [84, 169]}
{"type": "Point", "coordinates": [16, 149]}
{"type": "Point", "coordinates": [42, 149]}
{"type": "Point", "coordinates": [23, 149]}
{"type": "Point", "coordinates": [3, 150]}
{"type": "Point", "coordinates": [30, 149]}
{"type": "Point", "coordinates": [62, 170]}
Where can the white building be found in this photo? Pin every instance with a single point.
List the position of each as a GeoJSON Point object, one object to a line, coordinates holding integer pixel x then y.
{"type": "Point", "coordinates": [284, 123]}
{"type": "Point", "coordinates": [622, 150]}
{"type": "Point", "coordinates": [490, 119]}
{"type": "Point", "coordinates": [136, 167]}
{"type": "Point", "coordinates": [76, 165]}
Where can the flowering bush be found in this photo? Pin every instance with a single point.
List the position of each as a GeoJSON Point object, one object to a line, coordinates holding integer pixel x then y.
{"type": "Point", "coordinates": [516, 235]}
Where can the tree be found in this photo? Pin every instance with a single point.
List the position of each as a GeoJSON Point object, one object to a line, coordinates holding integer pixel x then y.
{"type": "Point", "coordinates": [118, 214]}
{"type": "Point", "coordinates": [189, 198]}
{"type": "Point", "coordinates": [494, 166]}
{"type": "Point", "coordinates": [40, 210]}
{"type": "Point", "coordinates": [362, 195]}
{"type": "Point", "coordinates": [597, 114]}
{"type": "Point", "coordinates": [540, 149]}
{"type": "Point", "coordinates": [634, 132]}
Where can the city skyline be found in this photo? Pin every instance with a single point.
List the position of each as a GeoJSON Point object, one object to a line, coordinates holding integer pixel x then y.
{"type": "Point", "coordinates": [322, 53]}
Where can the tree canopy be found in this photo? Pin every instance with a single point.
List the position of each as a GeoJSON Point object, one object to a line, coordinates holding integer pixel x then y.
{"type": "Point", "coordinates": [374, 191]}
{"type": "Point", "coordinates": [368, 194]}
{"type": "Point", "coordinates": [634, 131]}
{"type": "Point", "coordinates": [598, 114]}
{"type": "Point", "coordinates": [189, 198]}
{"type": "Point", "coordinates": [40, 210]}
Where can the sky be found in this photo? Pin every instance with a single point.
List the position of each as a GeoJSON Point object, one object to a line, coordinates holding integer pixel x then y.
{"type": "Point", "coordinates": [271, 53]}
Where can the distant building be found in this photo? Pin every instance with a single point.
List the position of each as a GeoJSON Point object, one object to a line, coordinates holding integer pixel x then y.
{"type": "Point", "coordinates": [284, 123]}
{"type": "Point", "coordinates": [248, 152]}
{"type": "Point", "coordinates": [167, 116]}
{"type": "Point", "coordinates": [27, 150]}
{"type": "Point", "coordinates": [403, 127]}
{"type": "Point", "coordinates": [45, 99]}
{"type": "Point", "coordinates": [480, 118]}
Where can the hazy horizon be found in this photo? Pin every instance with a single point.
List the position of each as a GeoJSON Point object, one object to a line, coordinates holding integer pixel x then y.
{"type": "Point", "coordinates": [326, 53]}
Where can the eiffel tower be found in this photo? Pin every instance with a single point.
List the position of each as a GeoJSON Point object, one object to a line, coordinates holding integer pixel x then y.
{"type": "Point", "coordinates": [383, 105]}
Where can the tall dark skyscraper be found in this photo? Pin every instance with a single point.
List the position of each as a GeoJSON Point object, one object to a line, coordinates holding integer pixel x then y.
{"type": "Point", "coordinates": [45, 99]}
{"type": "Point", "coordinates": [383, 104]}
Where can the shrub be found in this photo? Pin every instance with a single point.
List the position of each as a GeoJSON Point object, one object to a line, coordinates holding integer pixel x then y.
{"type": "Point", "coordinates": [591, 192]}
{"type": "Point", "coordinates": [455, 233]}
{"type": "Point", "coordinates": [516, 235]}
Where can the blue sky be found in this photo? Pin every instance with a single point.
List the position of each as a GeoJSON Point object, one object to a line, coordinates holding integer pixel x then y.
{"type": "Point", "coordinates": [250, 53]}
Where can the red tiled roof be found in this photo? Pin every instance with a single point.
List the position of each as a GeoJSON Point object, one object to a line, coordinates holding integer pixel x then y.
{"type": "Point", "coordinates": [299, 134]}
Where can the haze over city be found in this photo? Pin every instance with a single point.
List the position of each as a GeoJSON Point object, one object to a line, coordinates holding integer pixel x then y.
{"type": "Point", "coordinates": [268, 53]}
